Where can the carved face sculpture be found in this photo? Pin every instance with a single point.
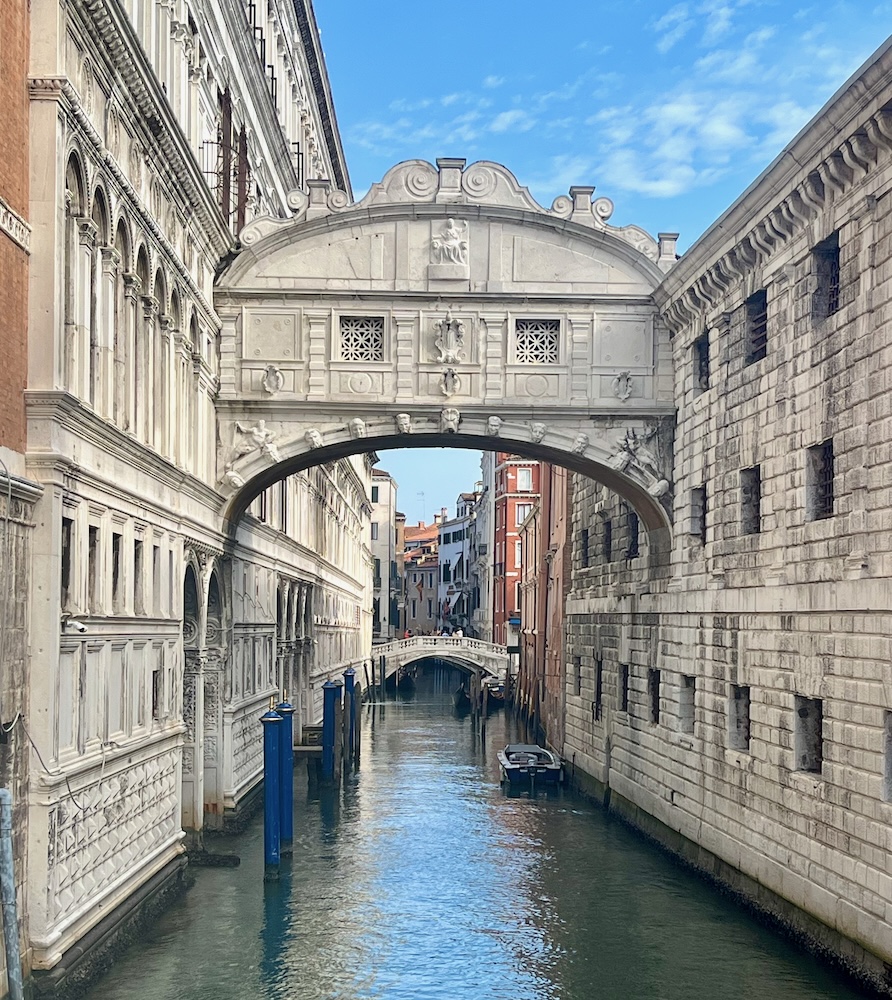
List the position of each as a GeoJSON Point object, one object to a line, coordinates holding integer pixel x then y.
{"type": "Point", "coordinates": [537, 431]}
{"type": "Point", "coordinates": [581, 443]}
{"type": "Point", "coordinates": [493, 426]}
{"type": "Point", "coordinates": [313, 438]}
{"type": "Point", "coordinates": [449, 420]}
{"type": "Point", "coordinates": [357, 428]}
{"type": "Point", "coordinates": [404, 423]}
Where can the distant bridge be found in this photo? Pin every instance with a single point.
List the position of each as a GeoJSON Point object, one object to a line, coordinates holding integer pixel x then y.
{"type": "Point", "coordinates": [487, 659]}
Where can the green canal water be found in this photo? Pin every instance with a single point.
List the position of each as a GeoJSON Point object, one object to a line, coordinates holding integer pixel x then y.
{"type": "Point", "coordinates": [423, 880]}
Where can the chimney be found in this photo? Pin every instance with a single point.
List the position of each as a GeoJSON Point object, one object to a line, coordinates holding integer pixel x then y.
{"type": "Point", "coordinates": [444, 514]}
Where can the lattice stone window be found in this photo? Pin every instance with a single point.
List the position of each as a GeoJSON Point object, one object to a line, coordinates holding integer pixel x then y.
{"type": "Point", "coordinates": [362, 338]}
{"type": "Point", "coordinates": [536, 341]}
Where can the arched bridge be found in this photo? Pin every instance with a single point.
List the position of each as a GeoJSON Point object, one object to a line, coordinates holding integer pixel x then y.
{"type": "Point", "coordinates": [485, 659]}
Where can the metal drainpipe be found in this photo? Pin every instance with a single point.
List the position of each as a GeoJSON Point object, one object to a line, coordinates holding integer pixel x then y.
{"type": "Point", "coordinates": [7, 899]}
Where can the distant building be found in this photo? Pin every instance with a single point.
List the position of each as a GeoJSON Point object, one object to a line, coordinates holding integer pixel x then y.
{"type": "Point", "coordinates": [421, 577]}
{"type": "Point", "coordinates": [455, 565]}
{"type": "Point", "coordinates": [482, 548]}
{"type": "Point", "coordinates": [386, 579]}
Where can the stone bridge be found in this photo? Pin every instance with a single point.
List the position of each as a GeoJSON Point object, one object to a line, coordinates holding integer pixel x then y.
{"type": "Point", "coordinates": [475, 656]}
{"type": "Point", "coordinates": [447, 308]}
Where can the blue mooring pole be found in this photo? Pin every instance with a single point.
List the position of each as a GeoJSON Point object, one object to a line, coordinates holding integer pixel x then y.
{"type": "Point", "coordinates": [331, 695]}
{"type": "Point", "coordinates": [272, 729]}
{"type": "Point", "coordinates": [286, 777]}
{"type": "Point", "coordinates": [350, 708]}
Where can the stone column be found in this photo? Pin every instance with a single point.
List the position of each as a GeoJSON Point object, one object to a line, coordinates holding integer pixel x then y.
{"type": "Point", "coordinates": [165, 396]}
{"type": "Point", "coordinates": [193, 741]}
{"type": "Point", "coordinates": [84, 347]}
{"type": "Point", "coordinates": [130, 350]}
{"type": "Point", "coordinates": [108, 360]}
{"type": "Point", "coordinates": [213, 738]}
{"type": "Point", "coordinates": [145, 376]}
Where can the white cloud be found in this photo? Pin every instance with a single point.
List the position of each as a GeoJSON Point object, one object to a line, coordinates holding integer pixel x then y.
{"type": "Point", "coordinates": [516, 121]}
{"type": "Point", "coordinates": [491, 82]}
{"type": "Point", "coordinates": [673, 26]}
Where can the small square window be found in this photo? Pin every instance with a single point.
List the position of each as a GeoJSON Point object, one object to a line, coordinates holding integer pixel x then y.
{"type": "Point", "coordinates": [537, 341]}
{"type": "Point", "coordinates": [757, 326]}
{"type": "Point", "coordinates": [524, 480]}
{"type": "Point", "coordinates": [809, 734]}
{"type": "Point", "coordinates": [751, 500]}
{"type": "Point", "coordinates": [819, 481]}
{"type": "Point", "coordinates": [362, 338]}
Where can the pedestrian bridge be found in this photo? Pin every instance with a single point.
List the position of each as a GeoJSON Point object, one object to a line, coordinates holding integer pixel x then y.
{"type": "Point", "coordinates": [487, 659]}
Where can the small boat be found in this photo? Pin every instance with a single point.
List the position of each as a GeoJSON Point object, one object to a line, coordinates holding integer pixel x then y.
{"type": "Point", "coordinates": [461, 699]}
{"type": "Point", "coordinates": [495, 695]}
{"type": "Point", "coordinates": [405, 684]}
{"type": "Point", "coordinates": [525, 764]}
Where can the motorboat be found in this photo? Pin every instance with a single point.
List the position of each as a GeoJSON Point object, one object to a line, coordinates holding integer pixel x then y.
{"type": "Point", "coordinates": [526, 764]}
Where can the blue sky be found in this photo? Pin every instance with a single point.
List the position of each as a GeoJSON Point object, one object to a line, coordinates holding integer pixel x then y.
{"type": "Point", "coordinates": [669, 109]}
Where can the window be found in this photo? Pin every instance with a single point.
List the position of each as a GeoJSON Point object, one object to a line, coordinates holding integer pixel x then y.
{"type": "Point", "coordinates": [156, 576]}
{"type": "Point", "coordinates": [517, 595]}
{"type": "Point", "coordinates": [139, 603]}
{"type": "Point", "coordinates": [739, 717]}
{"type": "Point", "coordinates": [819, 481]}
{"type": "Point", "coordinates": [687, 696]}
{"type": "Point", "coordinates": [446, 574]}
{"type": "Point", "coordinates": [608, 540]}
{"type": "Point", "coordinates": [536, 341]}
{"type": "Point", "coordinates": [826, 265]}
{"type": "Point", "coordinates": [524, 480]}
{"type": "Point", "coordinates": [698, 513]}
{"type": "Point", "coordinates": [756, 326]}
{"type": "Point", "coordinates": [518, 552]}
{"type": "Point", "coordinates": [653, 694]}
{"type": "Point", "coordinates": [65, 581]}
{"type": "Point", "coordinates": [577, 675]}
{"type": "Point", "coordinates": [93, 568]}
{"type": "Point", "coordinates": [413, 607]}
{"type": "Point", "coordinates": [375, 494]}
{"type": "Point", "coordinates": [597, 704]}
{"type": "Point", "coordinates": [116, 570]}
{"type": "Point", "coordinates": [700, 353]}
{"type": "Point", "coordinates": [156, 693]}
{"type": "Point", "coordinates": [751, 500]}
{"type": "Point", "coordinates": [583, 547]}
{"type": "Point", "coordinates": [634, 527]}
{"type": "Point", "coordinates": [430, 608]}
{"type": "Point", "coordinates": [522, 512]}
{"type": "Point", "coordinates": [624, 687]}
{"type": "Point", "coordinates": [262, 507]}
{"type": "Point", "coordinates": [362, 338]}
{"type": "Point", "coordinates": [809, 736]}
{"type": "Point", "coordinates": [374, 531]}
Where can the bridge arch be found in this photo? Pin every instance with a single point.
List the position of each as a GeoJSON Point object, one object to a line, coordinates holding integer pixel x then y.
{"type": "Point", "coordinates": [447, 308]}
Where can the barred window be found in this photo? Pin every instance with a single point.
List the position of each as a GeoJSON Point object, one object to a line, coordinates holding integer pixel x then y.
{"type": "Point", "coordinates": [701, 363]}
{"type": "Point", "coordinates": [751, 500]}
{"type": "Point", "coordinates": [757, 326]}
{"type": "Point", "coordinates": [362, 338]}
{"type": "Point", "coordinates": [826, 265]}
{"type": "Point", "coordinates": [536, 341]}
{"type": "Point", "coordinates": [819, 481]}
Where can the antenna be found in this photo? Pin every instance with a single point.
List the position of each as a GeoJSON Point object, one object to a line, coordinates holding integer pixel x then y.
{"type": "Point", "coordinates": [420, 496]}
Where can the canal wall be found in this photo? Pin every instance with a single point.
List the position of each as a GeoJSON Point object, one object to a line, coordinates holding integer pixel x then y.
{"type": "Point", "coordinates": [739, 707]}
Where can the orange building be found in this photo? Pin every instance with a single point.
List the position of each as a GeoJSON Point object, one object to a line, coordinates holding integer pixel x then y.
{"type": "Point", "coordinates": [421, 569]}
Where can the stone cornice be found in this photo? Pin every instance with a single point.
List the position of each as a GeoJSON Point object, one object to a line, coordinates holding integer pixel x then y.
{"type": "Point", "coordinates": [14, 226]}
{"type": "Point", "coordinates": [62, 408]}
{"type": "Point", "coordinates": [113, 30]}
{"type": "Point", "coordinates": [309, 32]}
{"type": "Point", "coordinates": [840, 147]}
{"type": "Point", "coordinates": [60, 89]}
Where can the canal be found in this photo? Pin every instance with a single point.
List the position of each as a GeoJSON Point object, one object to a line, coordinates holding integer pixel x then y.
{"type": "Point", "coordinates": [423, 880]}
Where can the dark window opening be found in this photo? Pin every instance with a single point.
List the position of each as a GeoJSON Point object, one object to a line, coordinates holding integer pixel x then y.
{"type": "Point", "coordinates": [624, 687]}
{"type": "Point", "coordinates": [93, 569]}
{"type": "Point", "coordinates": [599, 689]}
{"type": "Point", "coordinates": [739, 717]}
{"type": "Point", "coordinates": [698, 513]}
{"type": "Point", "coordinates": [577, 675]}
{"type": "Point", "coordinates": [687, 694]}
{"type": "Point", "coordinates": [653, 694]}
{"type": "Point", "coordinates": [139, 602]}
{"type": "Point", "coordinates": [751, 500]}
{"type": "Point", "coordinates": [634, 529]}
{"type": "Point", "coordinates": [583, 547]}
{"type": "Point", "coordinates": [819, 481]}
{"type": "Point", "coordinates": [757, 326]}
{"type": "Point", "coordinates": [701, 363]}
{"type": "Point", "coordinates": [608, 540]}
{"type": "Point", "coordinates": [65, 581]}
{"type": "Point", "coordinates": [809, 734]}
{"type": "Point", "coordinates": [826, 259]}
{"type": "Point", "coordinates": [117, 539]}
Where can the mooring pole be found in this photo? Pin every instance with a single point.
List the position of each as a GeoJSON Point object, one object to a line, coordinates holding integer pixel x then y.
{"type": "Point", "coordinates": [272, 727]}
{"type": "Point", "coordinates": [350, 709]}
{"type": "Point", "coordinates": [382, 665]}
{"type": "Point", "coordinates": [286, 776]}
{"type": "Point", "coordinates": [331, 693]}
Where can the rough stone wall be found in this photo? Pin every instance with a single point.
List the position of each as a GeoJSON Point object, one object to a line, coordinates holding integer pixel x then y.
{"type": "Point", "coordinates": [746, 699]}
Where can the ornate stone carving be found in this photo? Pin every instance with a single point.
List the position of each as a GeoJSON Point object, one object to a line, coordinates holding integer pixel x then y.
{"type": "Point", "coordinates": [449, 383]}
{"type": "Point", "coordinates": [248, 439]}
{"type": "Point", "coordinates": [451, 245]}
{"type": "Point", "coordinates": [580, 443]}
{"type": "Point", "coordinates": [313, 438]}
{"type": "Point", "coordinates": [450, 418]}
{"type": "Point", "coordinates": [450, 340]}
{"type": "Point", "coordinates": [403, 423]}
{"type": "Point", "coordinates": [494, 426]}
{"type": "Point", "coordinates": [357, 428]}
{"type": "Point", "coordinates": [622, 386]}
{"type": "Point", "coordinates": [232, 479]}
{"type": "Point", "coordinates": [631, 451]}
{"type": "Point", "coordinates": [537, 431]}
{"type": "Point", "coordinates": [272, 380]}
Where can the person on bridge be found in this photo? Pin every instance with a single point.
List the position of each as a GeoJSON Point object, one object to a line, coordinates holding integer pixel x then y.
{"type": "Point", "coordinates": [458, 633]}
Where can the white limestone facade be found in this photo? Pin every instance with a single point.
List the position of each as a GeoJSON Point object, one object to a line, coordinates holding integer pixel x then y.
{"type": "Point", "coordinates": [386, 579]}
{"type": "Point", "coordinates": [158, 628]}
{"type": "Point", "coordinates": [745, 715]}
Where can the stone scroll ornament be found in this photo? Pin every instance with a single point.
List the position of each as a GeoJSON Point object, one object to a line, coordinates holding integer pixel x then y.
{"type": "Point", "coordinates": [450, 340]}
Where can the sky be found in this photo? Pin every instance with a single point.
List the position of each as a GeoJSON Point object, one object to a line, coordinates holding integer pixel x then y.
{"type": "Point", "coordinates": [670, 109]}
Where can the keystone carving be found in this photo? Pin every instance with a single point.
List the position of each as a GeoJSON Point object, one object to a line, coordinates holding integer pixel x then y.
{"type": "Point", "coordinates": [494, 426]}
{"type": "Point", "coordinates": [580, 444]}
{"type": "Point", "coordinates": [449, 420]}
{"type": "Point", "coordinates": [313, 438]}
{"type": "Point", "coordinates": [403, 423]}
{"type": "Point", "coordinates": [357, 428]}
{"type": "Point", "coordinates": [537, 431]}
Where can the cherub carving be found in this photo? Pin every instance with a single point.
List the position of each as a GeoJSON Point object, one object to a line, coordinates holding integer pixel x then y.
{"type": "Point", "coordinates": [449, 420]}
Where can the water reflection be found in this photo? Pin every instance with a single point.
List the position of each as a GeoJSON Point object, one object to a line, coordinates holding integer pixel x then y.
{"type": "Point", "coordinates": [423, 880]}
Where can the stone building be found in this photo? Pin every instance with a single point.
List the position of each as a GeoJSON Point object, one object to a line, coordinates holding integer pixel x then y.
{"type": "Point", "coordinates": [421, 574]}
{"type": "Point", "coordinates": [454, 553]}
{"type": "Point", "coordinates": [387, 579]}
{"type": "Point", "coordinates": [736, 704]}
{"type": "Point", "coordinates": [158, 130]}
